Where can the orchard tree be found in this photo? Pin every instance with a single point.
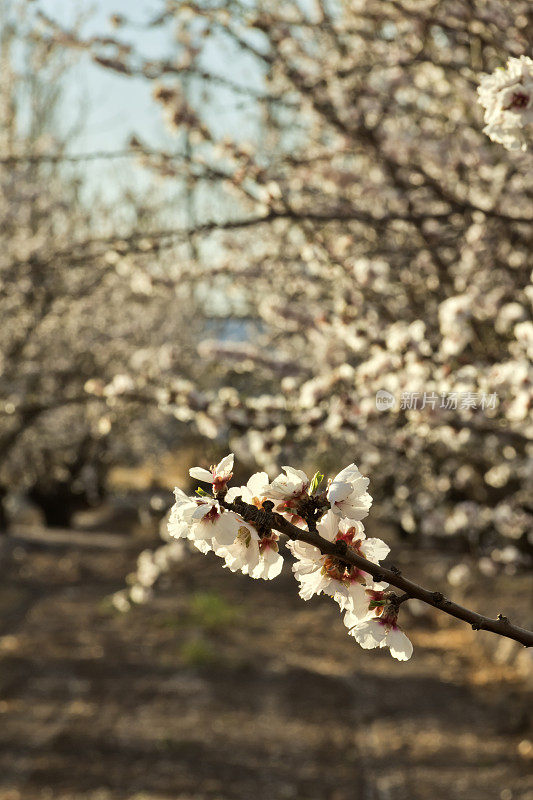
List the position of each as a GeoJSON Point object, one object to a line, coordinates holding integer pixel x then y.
{"type": "Point", "coordinates": [84, 326]}
{"type": "Point", "coordinates": [371, 233]}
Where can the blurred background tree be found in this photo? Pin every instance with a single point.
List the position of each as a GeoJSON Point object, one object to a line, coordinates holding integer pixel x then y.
{"type": "Point", "coordinates": [349, 230]}
{"type": "Point", "coordinates": [80, 315]}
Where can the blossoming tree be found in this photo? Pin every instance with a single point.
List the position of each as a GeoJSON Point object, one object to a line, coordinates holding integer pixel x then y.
{"type": "Point", "coordinates": [371, 238]}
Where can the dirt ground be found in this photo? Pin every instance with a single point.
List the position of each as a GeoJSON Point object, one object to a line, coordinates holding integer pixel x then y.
{"type": "Point", "coordinates": [224, 688]}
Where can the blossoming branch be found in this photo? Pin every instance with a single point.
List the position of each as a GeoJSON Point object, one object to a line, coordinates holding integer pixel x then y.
{"type": "Point", "coordinates": [326, 536]}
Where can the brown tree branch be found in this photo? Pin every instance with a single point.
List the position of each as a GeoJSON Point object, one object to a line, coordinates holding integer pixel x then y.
{"type": "Point", "coordinates": [392, 575]}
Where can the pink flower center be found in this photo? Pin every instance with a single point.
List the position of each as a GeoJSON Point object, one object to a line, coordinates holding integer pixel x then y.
{"type": "Point", "coordinates": [268, 543]}
{"type": "Point", "coordinates": [518, 100]}
{"type": "Point", "coordinates": [339, 571]}
{"type": "Point", "coordinates": [289, 507]}
{"type": "Point", "coordinates": [389, 616]}
{"type": "Point", "coordinates": [286, 506]}
{"type": "Point", "coordinates": [211, 516]}
{"type": "Point", "coordinates": [386, 622]}
{"type": "Point", "coordinates": [219, 482]}
{"type": "Point", "coordinates": [348, 538]}
{"type": "Point", "coordinates": [336, 570]}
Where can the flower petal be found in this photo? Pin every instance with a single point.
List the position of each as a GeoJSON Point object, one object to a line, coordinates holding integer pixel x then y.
{"type": "Point", "coordinates": [400, 646]}
{"type": "Point", "coordinates": [298, 474]}
{"type": "Point", "coordinates": [347, 474]}
{"type": "Point", "coordinates": [270, 565]}
{"type": "Point", "coordinates": [358, 601]}
{"type": "Point", "coordinates": [239, 491]}
{"type": "Point", "coordinates": [224, 467]}
{"type": "Point", "coordinates": [369, 634]}
{"type": "Point", "coordinates": [257, 483]}
{"type": "Point", "coordinates": [181, 497]}
{"type": "Point", "coordinates": [339, 491]}
{"type": "Point", "coordinates": [328, 526]}
{"type": "Point", "coordinates": [201, 510]}
{"type": "Point", "coordinates": [375, 549]}
{"type": "Point", "coordinates": [201, 474]}
{"type": "Point", "coordinates": [312, 583]}
{"type": "Point", "coordinates": [202, 545]}
{"type": "Point", "coordinates": [226, 527]}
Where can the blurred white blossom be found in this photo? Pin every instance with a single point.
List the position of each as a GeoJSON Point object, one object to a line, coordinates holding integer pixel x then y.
{"type": "Point", "coordinates": [507, 97]}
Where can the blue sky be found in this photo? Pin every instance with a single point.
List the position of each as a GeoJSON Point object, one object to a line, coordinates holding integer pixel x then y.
{"type": "Point", "coordinates": [117, 106]}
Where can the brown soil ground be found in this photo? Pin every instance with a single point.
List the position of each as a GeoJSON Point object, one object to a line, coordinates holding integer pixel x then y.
{"type": "Point", "coordinates": [224, 688]}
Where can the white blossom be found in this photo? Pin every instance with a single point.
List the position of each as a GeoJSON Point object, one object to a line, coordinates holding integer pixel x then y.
{"type": "Point", "coordinates": [382, 631]}
{"type": "Point", "coordinates": [254, 555]}
{"type": "Point", "coordinates": [207, 521]}
{"type": "Point", "coordinates": [347, 494]}
{"type": "Point", "coordinates": [243, 554]}
{"type": "Point", "coordinates": [290, 486]}
{"type": "Point", "coordinates": [454, 322]}
{"type": "Point", "coordinates": [318, 573]}
{"type": "Point", "coordinates": [287, 491]}
{"type": "Point", "coordinates": [254, 491]}
{"type": "Point", "coordinates": [218, 476]}
{"type": "Point", "coordinates": [121, 384]}
{"type": "Point", "coordinates": [180, 519]}
{"type": "Point", "coordinates": [524, 334]}
{"type": "Point", "coordinates": [270, 561]}
{"type": "Point", "coordinates": [203, 521]}
{"type": "Point", "coordinates": [507, 97]}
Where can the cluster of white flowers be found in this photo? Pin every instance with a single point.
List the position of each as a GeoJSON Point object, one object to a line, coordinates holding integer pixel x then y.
{"type": "Point", "coordinates": [507, 97]}
{"type": "Point", "coordinates": [218, 523]}
{"type": "Point", "coordinates": [151, 565]}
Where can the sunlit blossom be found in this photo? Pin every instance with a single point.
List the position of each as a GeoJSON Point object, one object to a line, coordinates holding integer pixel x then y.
{"type": "Point", "coordinates": [287, 491]}
{"type": "Point", "coordinates": [318, 573]}
{"type": "Point", "coordinates": [382, 631]}
{"type": "Point", "coordinates": [203, 521]}
{"type": "Point", "coordinates": [347, 494]}
{"type": "Point", "coordinates": [218, 476]}
{"type": "Point", "coordinates": [254, 555]}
